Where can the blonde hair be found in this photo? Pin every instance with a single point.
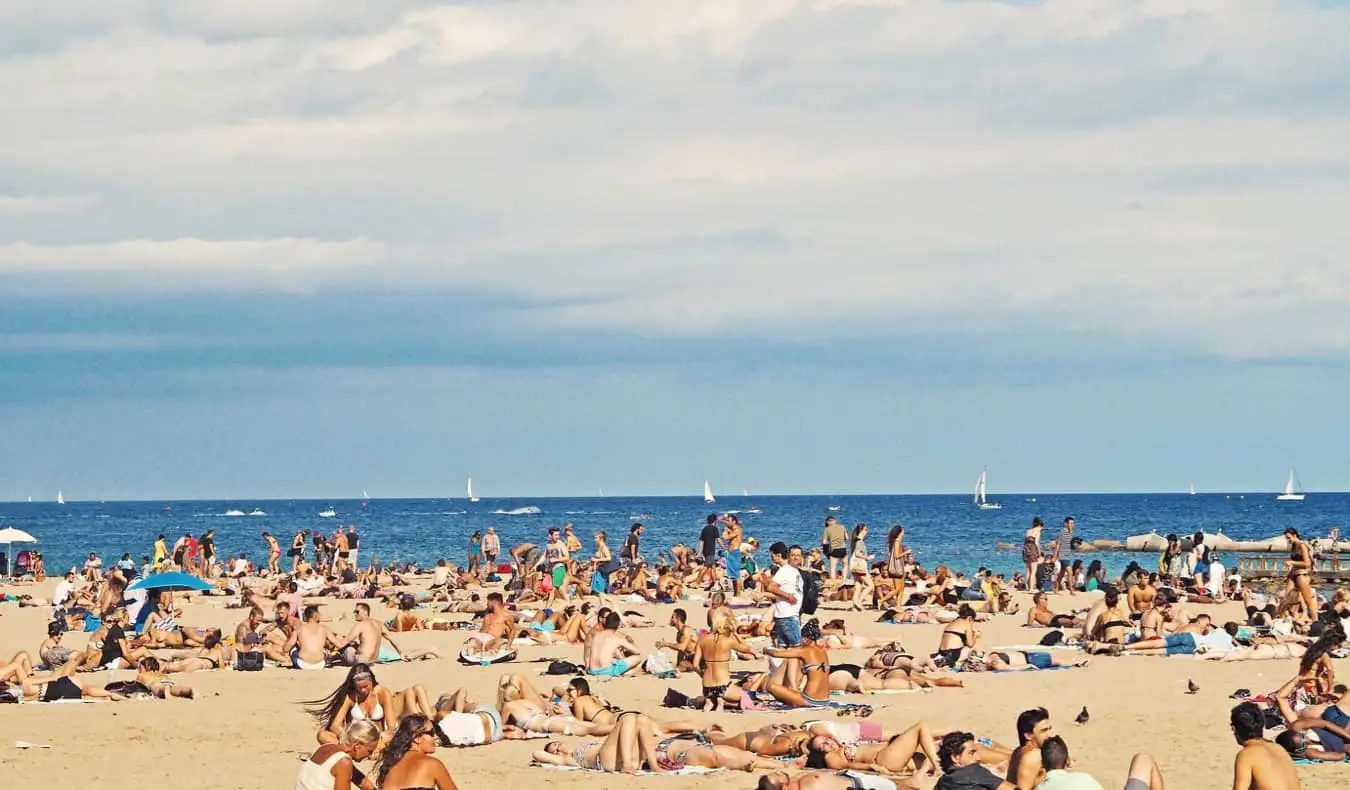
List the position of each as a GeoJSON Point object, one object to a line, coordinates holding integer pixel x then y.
{"type": "Point", "coordinates": [360, 731]}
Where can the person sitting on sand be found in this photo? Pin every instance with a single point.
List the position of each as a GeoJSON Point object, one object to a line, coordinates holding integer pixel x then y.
{"type": "Point", "coordinates": [1040, 616]}
{"type": "Point", "coordinates": [114, 650]}
{"type": "Point", "coordinates": [362, 698]}
{"type": "Point", "coordinates": [1260, 764]}
{"type": "Point", "coordinates": [894, 756]}
{"type": "Point", "coordinates": [958, 639]}
{"type": "Point", "coordinates": [713, 653]}
{"type": "Point", "coordinates": [1143, 775]}
{"type": "Point", "coordinates": [608, 652]}
{"type": "Point", "coordinates": [1033, 729]}
{"type": "Point", "coordinates": [815, 667]}
{"type": "Point", "coordinates": [51, 651]}
{"type": "Point", "coordinates": [332, 765]}
{"type": "Point", "coordinates": [685, 640]}
{"type": "Point", "coordinates": [408, 764]}
{"type": "Point", "coordinates": [308, 645]}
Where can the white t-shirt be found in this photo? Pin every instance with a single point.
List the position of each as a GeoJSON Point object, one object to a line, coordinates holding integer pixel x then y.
{"type": "Point", "coordinates": [1068, 780]}
{"type": "Point", "coordinates": [789, 580]}
{"type": "Point", "coordinates": [1216, 577]}
{"type": "Point", "coordinates": [441, 575]}
{"type": "Point", "coordinates": [1216, 641]}
{"type": "Point", "coordinates": [62, 592]}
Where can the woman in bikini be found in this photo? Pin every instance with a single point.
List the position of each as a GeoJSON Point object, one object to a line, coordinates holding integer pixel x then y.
{"type": "Point", "coordinates": [150, 676]}
{"type": "Point", "coordinates": [408, 763]}
{"type": "Point", "coordinates": [524, 707]}
{"type": "Point", "coordinates": [362, 698]}
{"type": "Point", "coordinates": [211, 655]}
{"type": "Point", "coordinates": [771, 740]}
{"type": "Point", "coordinates": [713, 652]}
{"type": "Point", "coordinates": [1300, 570]}
{"type": "Point", "coordinates": [815, 667]}
{"type": "Point", "coordinates": [631, 746]}
{"type": "Point", "coordinates": [1113, 626]}
{"type": "Point", "coordinates": [332, 766]}
{"type": "Point", "coordinates": [896, 755]}
{"type": "Point", "coordinates": [958, 639]}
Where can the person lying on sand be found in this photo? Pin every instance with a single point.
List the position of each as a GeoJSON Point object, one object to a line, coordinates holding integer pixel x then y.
{"type": "Point", "coordinates": [522, 705]}
{"type": "Point", "coordinates": [150, 679]}
{"type": "Point", "coordinates": [19, 684]}
{"type": "Point", "coordinates": [631, 746]}
{"type": "Point", "coordinates": [894, 756]}
{"type": "Point", "coordinates": [833, 780]}
{"type": "Point", "coordinates": [461, 722]}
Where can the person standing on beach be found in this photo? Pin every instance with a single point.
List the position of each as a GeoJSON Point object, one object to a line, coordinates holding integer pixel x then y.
{"type": "Point", "coordinates": [833, 544]}
{"type": "Point", "coordinates": [208, 546]}
{"type": "Point", "coordinates": [492, 546]}
{"type": "Point", "coordinates": [1260, 764]}
{"type": "Point", "coordinates": [786, 586]}
{"type": "Point", "coordinates": [1031, 549]}
{"type": "Point", "coordinates": [632, 553]}
{"type": "Point", "coordinates": [353, 545]}
{"type": "Point", "coordinates": [1064, 555]}
{"type": "Point", "coordinates": [732, 537]}
{"type": "Point", "coordinates": [556, 555]}
{"type": "Point", "coordinates": [344, 550]}
{"type": "Point", "coordinates": [273, 554]}
{"type": "Point", "coordinates": [708, 540]}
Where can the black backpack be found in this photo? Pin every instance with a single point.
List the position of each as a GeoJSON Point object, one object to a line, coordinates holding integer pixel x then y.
{"type": "Point", "coordinates": [811, 588]}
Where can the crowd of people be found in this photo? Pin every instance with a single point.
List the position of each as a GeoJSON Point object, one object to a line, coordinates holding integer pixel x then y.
{"type": "Point", "coordinates": [770, 610]}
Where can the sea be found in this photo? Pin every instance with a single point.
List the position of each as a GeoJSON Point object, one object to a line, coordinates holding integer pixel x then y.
{"type": "Point", "coordinates": [940, 528]}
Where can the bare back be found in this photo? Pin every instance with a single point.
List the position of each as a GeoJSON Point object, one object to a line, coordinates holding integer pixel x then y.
{"type": "Point", "coordinates": [1262, 765]}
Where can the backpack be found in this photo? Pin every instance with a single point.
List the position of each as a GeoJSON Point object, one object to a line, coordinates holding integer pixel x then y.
{"type": "Point", "coordinates": [811, 588]}
{"type": "Point", "coordinates": [248, 661]}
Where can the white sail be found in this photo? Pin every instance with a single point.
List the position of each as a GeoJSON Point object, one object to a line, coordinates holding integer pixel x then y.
{"type": "Point", "coordinates": [707, 493]}
{"type": "Point", "coordinates": [364, 495]}
{"type": "Point", "coordinates": [472, 498]}
{"type": "Point", "coordinates": [60, 498]}
{"type": "Point", "coordinates": [1293, 492]}
{"type": "Point", "coordinates": [1192, 489]}
{"type": "Point", "coordinates": [981, 493]}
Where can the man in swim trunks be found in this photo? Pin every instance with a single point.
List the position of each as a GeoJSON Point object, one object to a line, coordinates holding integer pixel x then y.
{"type": "Point", "coordinates": [362, 645]}
{"type": "Point", "coordinates": [499, 624]}
{"type": "Point", "coordinates": [309, 643]}
{"type": "Point", "coordinates": [556, 555]}
{"type": "Point", "coordinates": [610, 651]}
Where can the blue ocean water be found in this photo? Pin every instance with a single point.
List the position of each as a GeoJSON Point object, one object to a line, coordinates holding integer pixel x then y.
{"type": "Point", "coordinates": [940, 528]}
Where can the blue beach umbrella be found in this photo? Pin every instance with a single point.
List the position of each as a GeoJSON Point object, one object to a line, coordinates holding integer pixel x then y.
{"type": "Point", "coordinates": [172, 581]}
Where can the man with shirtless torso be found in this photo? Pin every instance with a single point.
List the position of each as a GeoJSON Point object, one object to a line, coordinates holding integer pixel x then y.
{"type": "Point", "coordinates": [1033, 728]}
{"type": "Point", "coordinates": [610, 650]}
{"type": "Point", "coordinates": [1260, 764]}
{"type": "Point", "coordinates": [499, 625]}
{"type": "Point", "coordinates": [309, 643]}
{"type": "Point", "coordinates": [1142, 594]}
{"type": "Point", "coordinates": [363, 643]}
{"type": "Point", "coordinates": [1039, 614]}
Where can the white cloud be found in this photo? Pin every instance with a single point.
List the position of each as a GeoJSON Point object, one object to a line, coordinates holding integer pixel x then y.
{"type": "Point", "coordinates": [1161, 171]}
{"type": "Point", "coordinates": [32, 205]}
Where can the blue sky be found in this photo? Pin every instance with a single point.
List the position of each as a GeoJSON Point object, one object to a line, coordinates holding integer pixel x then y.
{"type": "Point", "coordinates": [303, 249]}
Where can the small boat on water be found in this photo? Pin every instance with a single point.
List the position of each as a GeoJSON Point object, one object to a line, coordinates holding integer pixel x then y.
{"type": "Point", "coordinates": [981, 493]}
{"type": "Point", "coordinates": [472, 498]}
{"type": "Point", "coordinates": [328, 513]}
{"type": "Point", "coordinates": [235, 513]}
{"type": "Point", "coordinates": [1293, 492]}
{"type": "Point", "coordinates": [60, 497]}
{"type": "Point", "coordinates": [257, 512]}
{"type": "Point", "coordinates": [707, 494]}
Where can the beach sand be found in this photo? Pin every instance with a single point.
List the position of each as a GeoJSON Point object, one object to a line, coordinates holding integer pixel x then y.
{"type": "Point", "coordinates": [248, 730]}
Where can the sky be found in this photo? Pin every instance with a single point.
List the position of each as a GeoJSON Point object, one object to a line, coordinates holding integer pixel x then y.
{"type": "Point", "coordinates": [303, 249]}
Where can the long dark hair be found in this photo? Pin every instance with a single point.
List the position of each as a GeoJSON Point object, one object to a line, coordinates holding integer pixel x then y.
{"type": "Point", "coordinates": [1331, 638]}
{"type": "Point", "coordinates": [894, 533]}
{"type": "Point", "coordinates": [853, 539]}
{"type": "Point", "coordinates": [407, 733]}
{"type": "Point", "coordinates": [325, 710]}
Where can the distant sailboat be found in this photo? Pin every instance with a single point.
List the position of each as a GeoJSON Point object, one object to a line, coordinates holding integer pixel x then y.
{"type": "Point", "coordinates": [364, 495]}
{"type": "Point", "coordinates": [472, 498]}
{"type": "Point", "coordinates": [30, 499]}
{"type": "Point", "coordinates": [707, 493]}
{"type": "Point", "coordinates": [981, 491]}
{"type": "Point", "coordinates": [745, 492]}
{"type": "Point", "coordinates": [1293, 492]}
{"type": "Point", "coordinates": [1192, 489]}
{"type": "Point", "coordinates": [60, 498]}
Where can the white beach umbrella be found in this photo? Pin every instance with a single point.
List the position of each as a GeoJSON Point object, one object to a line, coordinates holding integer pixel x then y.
{"type": "Point", "coordinates": [10, 536]}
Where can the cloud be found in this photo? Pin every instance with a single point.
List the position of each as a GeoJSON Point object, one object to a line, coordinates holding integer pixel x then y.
{"type": "Point", "coordinates": [32, 205]}
{"type": "Point", "coordinates": [1153, 173]}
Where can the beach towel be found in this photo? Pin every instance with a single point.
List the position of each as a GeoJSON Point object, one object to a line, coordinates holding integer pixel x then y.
{"type": "Point", "coordinates": [692, 769]}
{"type": "Point", "coordinates": [499, 656]}
{"type": "Point", "coordinates": [770, 705]}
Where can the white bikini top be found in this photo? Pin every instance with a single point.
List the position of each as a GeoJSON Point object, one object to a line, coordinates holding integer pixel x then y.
{"type": "Point", "coordinates": [377, 714]}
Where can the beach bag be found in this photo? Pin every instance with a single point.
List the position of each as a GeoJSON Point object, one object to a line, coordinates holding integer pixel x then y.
{"type": "Point", "coordinates": [248, 661]}
{"type": "Point", "coordinates": [1053, 638]}
{"type": "Point", "coordinates": [557, 667]}
{"type": "Point", "coordinates": [657, 664]}
{"type": "Point", "coordinates": [895, 567]}
{"type": "Point", "coordinates": [811, 586]}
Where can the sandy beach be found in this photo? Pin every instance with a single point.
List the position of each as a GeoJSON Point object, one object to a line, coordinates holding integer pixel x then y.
{"type": "Point", "coordinates": [248, 730]}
